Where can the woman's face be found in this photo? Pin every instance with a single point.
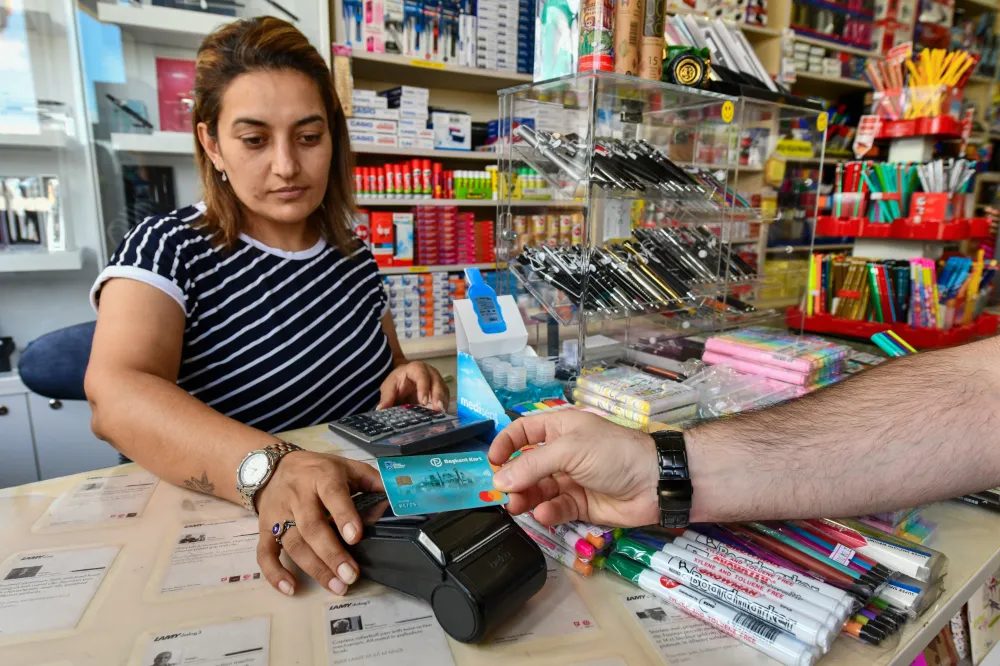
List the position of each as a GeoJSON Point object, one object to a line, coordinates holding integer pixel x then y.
{"type": "Point", "coordinates": [274, 144]}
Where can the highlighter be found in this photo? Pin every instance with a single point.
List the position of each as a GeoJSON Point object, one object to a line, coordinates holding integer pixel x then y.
{"type": "Point", "coordinates": [484, 302]}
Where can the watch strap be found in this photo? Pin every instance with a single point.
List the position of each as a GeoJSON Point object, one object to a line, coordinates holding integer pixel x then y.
{"type": "Point", "coordinates": [274, 453]}
{"type": "Point", "coordinates": [674, 489]}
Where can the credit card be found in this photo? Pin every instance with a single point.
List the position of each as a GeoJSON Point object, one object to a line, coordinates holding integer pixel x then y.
{"type": "Point", "coordinates": [445, 482]}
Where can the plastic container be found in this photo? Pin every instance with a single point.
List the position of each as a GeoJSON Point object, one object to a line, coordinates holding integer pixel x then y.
{"type": "Point", "coordinates": [517, 389]}
{"type": "Point", "coordinates": [545, 385]}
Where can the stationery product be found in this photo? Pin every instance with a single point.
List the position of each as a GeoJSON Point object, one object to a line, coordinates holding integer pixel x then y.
{"type": "Point", "coordinates": [651, 43]}
{"type": "Point", "coordinates": [903, 556]}
{"type": "Point", "coordinates": [770, 640]}
{"type": "Point", "coordinates": [596, 36]}
{"type": "Point", "coordinates": [643, 393]}
{"type": "Point", "coordinates": [563, 533]}
{"type": "Point", "coordinates": [628, 26]}
{"type": "Point", "coordinates": [555, 550]}
{"type": "Point", "coordinates": [407, 429]}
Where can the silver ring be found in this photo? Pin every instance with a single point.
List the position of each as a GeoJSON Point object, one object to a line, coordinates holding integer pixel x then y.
{"type": "Point", "coordinates": [279, 529]}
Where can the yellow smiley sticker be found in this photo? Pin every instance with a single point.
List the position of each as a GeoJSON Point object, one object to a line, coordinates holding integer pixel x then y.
{"type": "Point", "coordinates": [727, 112]}
{"type": "Point", "coordinates": [821, 120]}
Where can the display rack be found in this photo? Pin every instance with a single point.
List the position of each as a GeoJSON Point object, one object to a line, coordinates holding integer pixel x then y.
{"type": "Point", "coordinates": [651, 244]}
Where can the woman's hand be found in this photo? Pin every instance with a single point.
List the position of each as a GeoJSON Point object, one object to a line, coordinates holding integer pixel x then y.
{"type": "Point", "coordinates": [310, 488]}
{"type": "Point", "coordinates": [589, 469]}
{"type": "Point", "coordinates": [415, 382]}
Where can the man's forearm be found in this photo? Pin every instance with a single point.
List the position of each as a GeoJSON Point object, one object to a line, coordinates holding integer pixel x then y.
{"type": "Point", "coordinates": [170, 433]}
{"type": "Point", "coordinates": [915, 430]}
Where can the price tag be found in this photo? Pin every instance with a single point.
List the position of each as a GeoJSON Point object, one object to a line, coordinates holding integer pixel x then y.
{"type": "Point", "coordinates": [864, 140]}
{"type": "Point", "coordinates": [428, 64]}
{"type": "Point", "coordinates": [842, 554]}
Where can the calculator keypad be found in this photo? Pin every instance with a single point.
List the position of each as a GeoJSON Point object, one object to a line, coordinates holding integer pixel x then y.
{"type": "Point", "coordinates": [372, 426]}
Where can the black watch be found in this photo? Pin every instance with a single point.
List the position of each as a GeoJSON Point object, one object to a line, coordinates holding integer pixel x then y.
{"type": "Point", "coordinates": [674, 490]}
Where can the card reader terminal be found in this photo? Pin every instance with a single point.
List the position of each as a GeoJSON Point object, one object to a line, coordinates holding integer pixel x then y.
{"type": "Point", "coordinates": [475, 567]}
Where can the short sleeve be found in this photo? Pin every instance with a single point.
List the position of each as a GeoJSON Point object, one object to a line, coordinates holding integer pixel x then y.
{"type": "Point", "coordinates": [364, 255]}
{"type": "Point", "coordinates": [157, 252]}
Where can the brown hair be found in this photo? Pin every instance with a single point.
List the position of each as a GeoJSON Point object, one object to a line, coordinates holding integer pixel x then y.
{"type": "Point", "coordinates": [266, 43]}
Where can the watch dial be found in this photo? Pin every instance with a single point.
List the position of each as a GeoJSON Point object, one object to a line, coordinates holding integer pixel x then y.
{"type": "Point", "coordinates": [254, 469]}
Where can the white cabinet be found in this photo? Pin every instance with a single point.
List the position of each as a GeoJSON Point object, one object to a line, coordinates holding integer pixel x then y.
{"type": "Point", "coordinates": [63, 439]}
{"type": "Point", "coordinates": [17, 455]}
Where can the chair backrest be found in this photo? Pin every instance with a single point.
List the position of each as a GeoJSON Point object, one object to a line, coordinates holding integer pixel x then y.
{"type": "Point", "coordinates": [54, 364]}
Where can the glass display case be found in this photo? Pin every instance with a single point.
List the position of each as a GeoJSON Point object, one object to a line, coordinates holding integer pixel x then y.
{"type": "Point", "coordinates": [664, 179]}
{"type": "Point", "coordinates": [48, 206]}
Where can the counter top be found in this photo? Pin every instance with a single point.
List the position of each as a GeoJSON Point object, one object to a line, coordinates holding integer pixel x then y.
{"type": "Point", "coordinates": [128, 605]}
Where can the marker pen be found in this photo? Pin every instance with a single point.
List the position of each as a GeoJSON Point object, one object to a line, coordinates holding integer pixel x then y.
{"type": "Point", "coordinates": [756, 633]}
{"type": "Point", "coordinates": [784, 579]}
{"type": "Point", "coordinates": [556, 552]}
{"type": "Point", "coordinates": [795, 555]}
{"type": "Point", "coordinates": [564, 534]}
{"type": "Point", "coordinates": [807, 630]}
{"type": "Point", "coordinates": [595, 535]}
{"type": "Point", "coordinates": [892, 552]}
{"type": "Point", "coordinates": [828, 615]}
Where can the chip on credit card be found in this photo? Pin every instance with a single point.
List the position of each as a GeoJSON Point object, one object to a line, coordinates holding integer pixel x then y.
{"type": "Point", "coordinates": [435, 483]}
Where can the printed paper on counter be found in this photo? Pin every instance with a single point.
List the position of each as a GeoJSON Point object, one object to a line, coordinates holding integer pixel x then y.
{"type": "Point", "coordinates": [682, 639]}
{"type": "Point", "coordinates": [237, 643]}
{"type": "Point", "coordinates": [50, 591]}
{"type": "Point", "coordinates": [385, 630]}
{"type": "Point", "coordinates": [607, 661]}
{"type": "Point", "coordinates": [557, 610]}
{"type": "Point", "coordinates": [100, 499]}
{"type": "Point", "coordinates": [209, 555]}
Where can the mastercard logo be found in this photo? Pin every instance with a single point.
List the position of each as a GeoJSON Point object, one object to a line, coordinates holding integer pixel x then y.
{"type": "Point", "coordinates": [491, 495]}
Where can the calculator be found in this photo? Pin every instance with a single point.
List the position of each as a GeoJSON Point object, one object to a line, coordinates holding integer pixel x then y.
{"type": "Point", "coordinates": [407, 430]}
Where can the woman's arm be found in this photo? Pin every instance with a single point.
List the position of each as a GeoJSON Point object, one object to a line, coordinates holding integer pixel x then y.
{"type": "Point", "coordinates": [139, 409]}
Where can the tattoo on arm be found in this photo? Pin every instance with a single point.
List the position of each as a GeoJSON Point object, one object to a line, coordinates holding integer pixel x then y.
{"type": "Point", "coordinates": [202, 485]}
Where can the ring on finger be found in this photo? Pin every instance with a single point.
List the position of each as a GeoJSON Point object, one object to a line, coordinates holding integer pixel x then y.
{"type": "Point", "coordinates": [279, 530]}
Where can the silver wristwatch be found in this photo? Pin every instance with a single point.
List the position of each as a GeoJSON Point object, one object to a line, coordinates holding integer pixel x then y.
{"type": "Point", "coordinates": [256, 470]}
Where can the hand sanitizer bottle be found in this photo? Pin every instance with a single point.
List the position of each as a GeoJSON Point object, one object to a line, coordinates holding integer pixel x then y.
{"type": "Point", "coordinates": [517, 388]}
{"type": "Point", "coordinates": [545, 384]}
{"type": "Point", "coordinates": [530, 363]}
{"type": "Point", "coordinates": [499, 383]}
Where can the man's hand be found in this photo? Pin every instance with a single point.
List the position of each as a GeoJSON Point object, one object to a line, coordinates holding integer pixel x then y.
{"type": "Point", "coordinates": [415, 382]}
{"type": "Point", "coordinates": [588, 469]}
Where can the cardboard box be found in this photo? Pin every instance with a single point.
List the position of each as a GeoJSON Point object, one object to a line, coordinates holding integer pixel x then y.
{"type": "Point", "coordinates": [413, 123]}
{"type": "Point", "coordinates": [372, 139]}
{"type": "Point", "coordinates": [371, 125]}
{"type": "Point", "coordinates": [403, 230]}
{"type": "Point", "coordinates": [369, 98]}
{"type": "Point", "coordinates": [361, 111]}
{"type": "Point", "coordinates": [417, 133]}
{"type": "Point", "coordinates": [417, 144]}
{"type": "Point", "coordinates": [382, 235]}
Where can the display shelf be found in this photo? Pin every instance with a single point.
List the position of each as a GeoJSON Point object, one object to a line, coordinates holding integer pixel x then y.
{"type": "Point", "coordinates": [759, 31]}
{"type": "Point", "coordinates": [921, 338]}
{"type": "Point", "coordinates": [162, 26]}
{"type": "Point", "coordinates": [29, 261]}
{"type": "Point", "coordinates": [904, 228]}
{"type": "Point", "coordinates": [468, 203]}
{"type": "Point", "coordinates": [43, 140]}
{"type": "Point", "coordinates": [467, 155]}
{"type": "Point", "coordinates": [165, 143]}
{"type": "Point", "coordinates": [820, 79]}
{"type": "Point", "coordinates": [416, 349]}
{"type": "Point", "coordinates": [943, 127]}
{"type": "Point", "coordinates": [452, 268]}
{"type": "Point", "coordinates": [779, 249]}
{"type": "Point", "coordinates": [981, 5]}
{"type": "Point", "coordinates": [988, 177]}
{"type": "Point", "coordinates": [44, 17]}
{"type": "Point", "coordinates": [416, 72]}
{"type": "Point", "coordinates": [843, 48]}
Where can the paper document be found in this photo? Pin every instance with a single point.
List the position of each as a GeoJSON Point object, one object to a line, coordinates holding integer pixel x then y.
{"type": "Point", "coordinates": [212, 554]}
{"type": "Point", "coordinates": [385, 630]}
{"type": "Point", "coordinates": [557, 610]}
{"type": "Point", "coordinates": [682, 639]}
{"type": "Point", "coordinates": [50, 591]}
{"type": "Point", "coordinates": [237, 643]}
{"type": "Point", "coordinates": [100, 499]}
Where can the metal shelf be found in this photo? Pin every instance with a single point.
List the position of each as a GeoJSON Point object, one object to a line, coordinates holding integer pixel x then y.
{"type": "Point", "coordinates": [450, 268]}
{"type": "Point", "coordinates": [468, 203]}
{"type": "Point", "coordinates": [43, 140]}
{"type": "Point", "coordinates": [837, 47]}
{"type": "Point", "coordinates": [29, 261]}
{"type": "Point", "coordinates": [469, 155]}
{"type": "Point", "coordinates": [416, 72]}
{"type": "Point", "coordinates": [820, 79]}
{"type": "Point", "coordinates": [162, 26]}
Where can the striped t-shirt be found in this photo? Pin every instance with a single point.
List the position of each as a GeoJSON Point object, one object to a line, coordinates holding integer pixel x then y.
{"type": "Point", "coordinates": [274, 339]}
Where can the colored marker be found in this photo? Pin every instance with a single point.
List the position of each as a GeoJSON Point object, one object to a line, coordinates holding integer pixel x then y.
{"type": "Point", "coordinates": [596, 535]}
{"type": "Point", "coordinates": [677, 565]}
{"type": "Point", "coordinates": [787, 580]}
{"type": "Point", "coordinates": [819, 537]}
{"type": "Point", "coordinates": [822, 559]}
{"type": "Point", "coordinates": [559, 554]}
{"type": "Point", "coordinates": [903, 343]}
{"type": "Point", "coordinates": [813, 547]}
{"type": "Point", "coordinates": [563, 532]}
{"type": "Point", "coordinates": [864, 634]}
{"type": "Point", "coordinates": [793, 554]}
{"type": "Point", "coordinates": [758, 634]}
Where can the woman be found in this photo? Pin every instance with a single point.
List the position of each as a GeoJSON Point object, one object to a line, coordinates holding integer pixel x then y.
{"type": "Point", "coordinates": [255, 311]}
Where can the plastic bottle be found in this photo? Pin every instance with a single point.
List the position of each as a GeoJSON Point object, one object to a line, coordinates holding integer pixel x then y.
{"type": "Point", "coordinates": [545, 385]}
{"type": "Point", "coordinates": [517, 388]}
{"type": "Point", "coordinates": [487, 365]}
{"type": "Point", "coordinates": [499, 383]}
{"type": "Point", "coordinates": [530, 363]}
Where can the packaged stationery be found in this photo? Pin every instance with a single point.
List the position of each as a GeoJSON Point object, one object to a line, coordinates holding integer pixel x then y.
{"type": "Point", "coordinates": [637, 390]}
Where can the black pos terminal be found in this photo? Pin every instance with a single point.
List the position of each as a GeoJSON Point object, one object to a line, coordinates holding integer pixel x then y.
{"type": "Point", "coordinates": [475, 567]}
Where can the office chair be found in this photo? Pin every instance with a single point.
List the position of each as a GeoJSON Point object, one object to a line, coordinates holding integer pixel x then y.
{"type": "Point", "coordinates": [54, 365]}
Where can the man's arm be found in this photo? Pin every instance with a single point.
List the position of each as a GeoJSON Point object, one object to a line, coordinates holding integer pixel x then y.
{"type": "Point", "coordinates": [914, 430]}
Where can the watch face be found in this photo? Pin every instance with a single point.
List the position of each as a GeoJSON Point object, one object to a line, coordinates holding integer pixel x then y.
{"type": "Point", "coordinates": [254, 469]}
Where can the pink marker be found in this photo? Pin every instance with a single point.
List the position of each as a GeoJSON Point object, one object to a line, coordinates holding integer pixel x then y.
{"type": "Point", "coordinates": [565, 533]}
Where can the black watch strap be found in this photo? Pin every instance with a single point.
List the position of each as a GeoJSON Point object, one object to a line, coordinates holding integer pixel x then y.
{"type": "Point", "coordinates": [674, 490]}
